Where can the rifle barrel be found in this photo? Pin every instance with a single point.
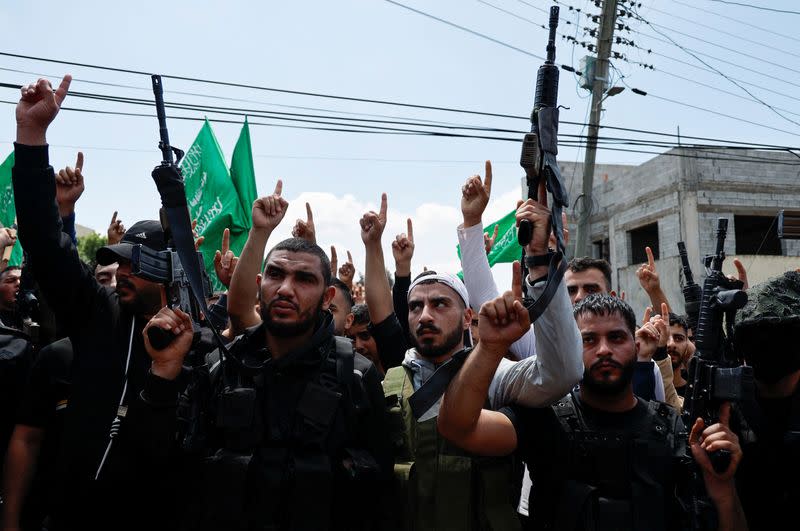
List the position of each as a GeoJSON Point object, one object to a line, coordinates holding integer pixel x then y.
{"type": "Point", "coordinates": [158, 91]}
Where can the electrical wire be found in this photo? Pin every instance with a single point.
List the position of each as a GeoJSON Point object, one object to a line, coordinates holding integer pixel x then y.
{"type": "Point", "coordinates": [418, 106]}
{"type": "Point", "coordinates": [462, 28]}
{"type": "Point", "coordinates": [757, 7]}
{"type": "Point", "coordinates": [749, 24]}
{"type": "Point", "coordinates": [753, 96]}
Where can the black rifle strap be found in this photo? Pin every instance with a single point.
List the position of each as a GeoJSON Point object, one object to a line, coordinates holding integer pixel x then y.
{"type": "Point", "coordinates": [431, 391]}
{"type": "Point", "coordinates": [558, 266]}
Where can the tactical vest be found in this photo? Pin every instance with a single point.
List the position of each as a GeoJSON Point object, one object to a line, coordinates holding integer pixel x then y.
{"type": "Point", "coordinates": [607, 480]}
{"type": "Point", "coordinates": [264, 476]}
{"type": "Point", "coordinates": [441, 487]}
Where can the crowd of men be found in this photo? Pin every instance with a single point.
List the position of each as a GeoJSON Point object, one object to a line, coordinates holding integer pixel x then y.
{"type": "Point", "coordinates": [304, 414]}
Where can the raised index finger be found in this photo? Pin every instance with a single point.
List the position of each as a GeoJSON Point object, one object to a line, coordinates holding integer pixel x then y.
{"type": "Point", "coordinates": [63, 88]}
{"type": "Point", "coordinates": [79, 162]}
{"type": "Point", "coordinates": [309, 215]}
{"type": "Point", "coordinates": [349, 257]}
{"type": "Point", "coordinates": [114, 218]}
{"type": "Point", "coordinates": [384, 206]}
{"type": "Point", "coordinates": [226, 241]}
{"type": "Point", "coordinates": [647, 313]}
{"type": "Point", "coordinates": [278, 187]}
{"type": "Point", "coordinates": [487, 182]}
{"type": "Point", "coordinates": [650, 260]}
{"type": "Point", "coordinates": [410, 231]}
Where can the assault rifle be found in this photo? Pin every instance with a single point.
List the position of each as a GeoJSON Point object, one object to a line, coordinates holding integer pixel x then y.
{"type": "Point", "coordinates": [715, 375]}
{"type": "Point", "coordinates": [539, 149]}
{"type": "Point", "coordinates": [538, 159]}
{"type": "Point", "coordinates": [179, 267]}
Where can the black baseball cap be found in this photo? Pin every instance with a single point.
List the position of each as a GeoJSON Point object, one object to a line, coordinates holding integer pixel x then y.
{"type": "Point", "coordinates": [148, 233]}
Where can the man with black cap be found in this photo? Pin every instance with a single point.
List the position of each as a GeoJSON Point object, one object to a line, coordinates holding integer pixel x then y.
{"type": "Point", "coordinates": [101, 481]}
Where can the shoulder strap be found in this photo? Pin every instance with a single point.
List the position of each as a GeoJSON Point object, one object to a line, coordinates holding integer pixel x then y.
{"type": "Point", "coordinates": [431, 391]}
{"type": "Point", "coordinates": [567, 414]}
{"type": "Point", "coordinates": [343, 349]}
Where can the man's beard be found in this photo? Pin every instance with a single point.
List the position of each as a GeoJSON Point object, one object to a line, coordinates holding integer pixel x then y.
{"type": "Point", "coordinates": [602, 387]}
{"type": "Point", "coordinates": [307, 320]}
{"type": "Point", "coordinates": [143, 302]}
{"type": "Point", "coordinates": [427, 350]}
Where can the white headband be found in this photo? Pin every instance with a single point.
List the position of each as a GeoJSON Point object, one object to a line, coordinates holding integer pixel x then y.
{"type": "Point", "coordinates": [448, 280]}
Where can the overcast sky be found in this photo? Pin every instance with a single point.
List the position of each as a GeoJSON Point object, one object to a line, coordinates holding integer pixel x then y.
{"type": "Point", "coordinates": [378, 50]}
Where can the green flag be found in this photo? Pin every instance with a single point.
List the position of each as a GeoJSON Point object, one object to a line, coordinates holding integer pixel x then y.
{"type": "Point", "coordinates": [212, 198]}
{"type": "Point", "coordinates": [243, 173]}
{"type": "Point", "coordinates": [8, 212]}
{"type": "Point", "coordinates": [505, 248]}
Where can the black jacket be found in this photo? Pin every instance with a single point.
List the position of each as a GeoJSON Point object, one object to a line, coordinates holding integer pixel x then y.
{"type": "Point", "coordinates": [103, 334]}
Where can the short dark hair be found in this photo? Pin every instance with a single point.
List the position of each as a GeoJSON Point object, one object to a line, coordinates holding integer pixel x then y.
{"type": "Point", "coordinates": [680, 320]}
{"type": "Point", "coordinates": [602, 305]}
{"type": "Point", "coordinates": [576, 265]}
{"type": "Point", "coordinates": [9, 268]}
{"type": "Point", "coordinates": [360, 314]}
{"type": "Point", "coordinates": [299, 245]}
{"type": "Point", "coordinates": [341, 286]}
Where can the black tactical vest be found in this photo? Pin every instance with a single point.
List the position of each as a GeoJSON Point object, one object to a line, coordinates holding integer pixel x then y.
{"type": "Point", "coordinates": [607, 480]}
{"type": "Point", "coordinates": [279, 446]}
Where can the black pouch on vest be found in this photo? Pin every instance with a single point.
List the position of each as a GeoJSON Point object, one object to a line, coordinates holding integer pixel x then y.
{"type": "Point", "coordinates": [236, 408]}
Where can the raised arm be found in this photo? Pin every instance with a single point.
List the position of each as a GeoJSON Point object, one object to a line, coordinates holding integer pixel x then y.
{"type": "Point", "coordinates": [379, 295]}
{"type": "Point", "coordinates": [38, 216]}
{"type": "Point", "coordinates": [243, 290]}
{"type": "Point", "coordinates": [403, 252]}
{"type": "Point", "coordinates": [650, 282]}
{"type": "Point", "coordinates": [462, 418]}
{"type": "Point", "coordinates": [558, 363]}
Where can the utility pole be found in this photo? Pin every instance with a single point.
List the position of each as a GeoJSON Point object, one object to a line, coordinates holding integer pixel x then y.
{"type": "Point", "coordinates": [604, 37]}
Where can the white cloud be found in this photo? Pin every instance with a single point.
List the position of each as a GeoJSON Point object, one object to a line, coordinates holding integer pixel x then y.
{"type": "Point", "coordinates": [337, 223]}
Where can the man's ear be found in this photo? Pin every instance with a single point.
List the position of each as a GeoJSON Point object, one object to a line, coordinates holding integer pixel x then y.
{"type": "Point", "coordinates": [327, 296]}
{"type": "Point", "coordinates": [258, 280]}
{"type": "Point", "coordinates": [348, 321]}
{"type": "Point", "coordinates": [467, 321]}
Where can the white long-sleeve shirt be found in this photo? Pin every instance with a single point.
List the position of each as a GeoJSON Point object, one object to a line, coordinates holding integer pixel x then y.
{"type": "Point", "coordinates": [551, 351]}
{"type": "Point", "coordinates": [480, 283]}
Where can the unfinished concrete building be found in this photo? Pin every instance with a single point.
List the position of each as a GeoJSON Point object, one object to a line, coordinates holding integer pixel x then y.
{"type": "Point", "coordinates": [678, 196]}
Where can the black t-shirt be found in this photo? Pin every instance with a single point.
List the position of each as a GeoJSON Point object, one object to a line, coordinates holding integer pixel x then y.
{"type": "Point", "coordinates": [390, 338]}
{"type": "Point", "coordinates": [43, 406]}
{"type": "Point", "coordinates": [544, 445]}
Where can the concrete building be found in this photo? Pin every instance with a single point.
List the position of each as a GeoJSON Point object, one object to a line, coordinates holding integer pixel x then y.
{"type": "Point", "coordinates": [678, 196]}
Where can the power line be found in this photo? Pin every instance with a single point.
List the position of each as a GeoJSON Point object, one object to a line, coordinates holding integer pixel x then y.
{"type": "Point", "coordinates": [766, 30]}
{"type": "Point", "coordinates": [462, 28]}
{"type": "Point", "coordinates": [758, 7]}
{"type": "Point", "coordinates": [262, 88]}
{"type": "Point", "coordinates": [726, 48]}
{"type": "Point", "coordinates": [319, 119]}
{"type": "Point", "coordinates": [405, 105]}
{"type": "Point", "coordinates": [735, 35]}
{"type": "Point", "coordinates": [753, 96]}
